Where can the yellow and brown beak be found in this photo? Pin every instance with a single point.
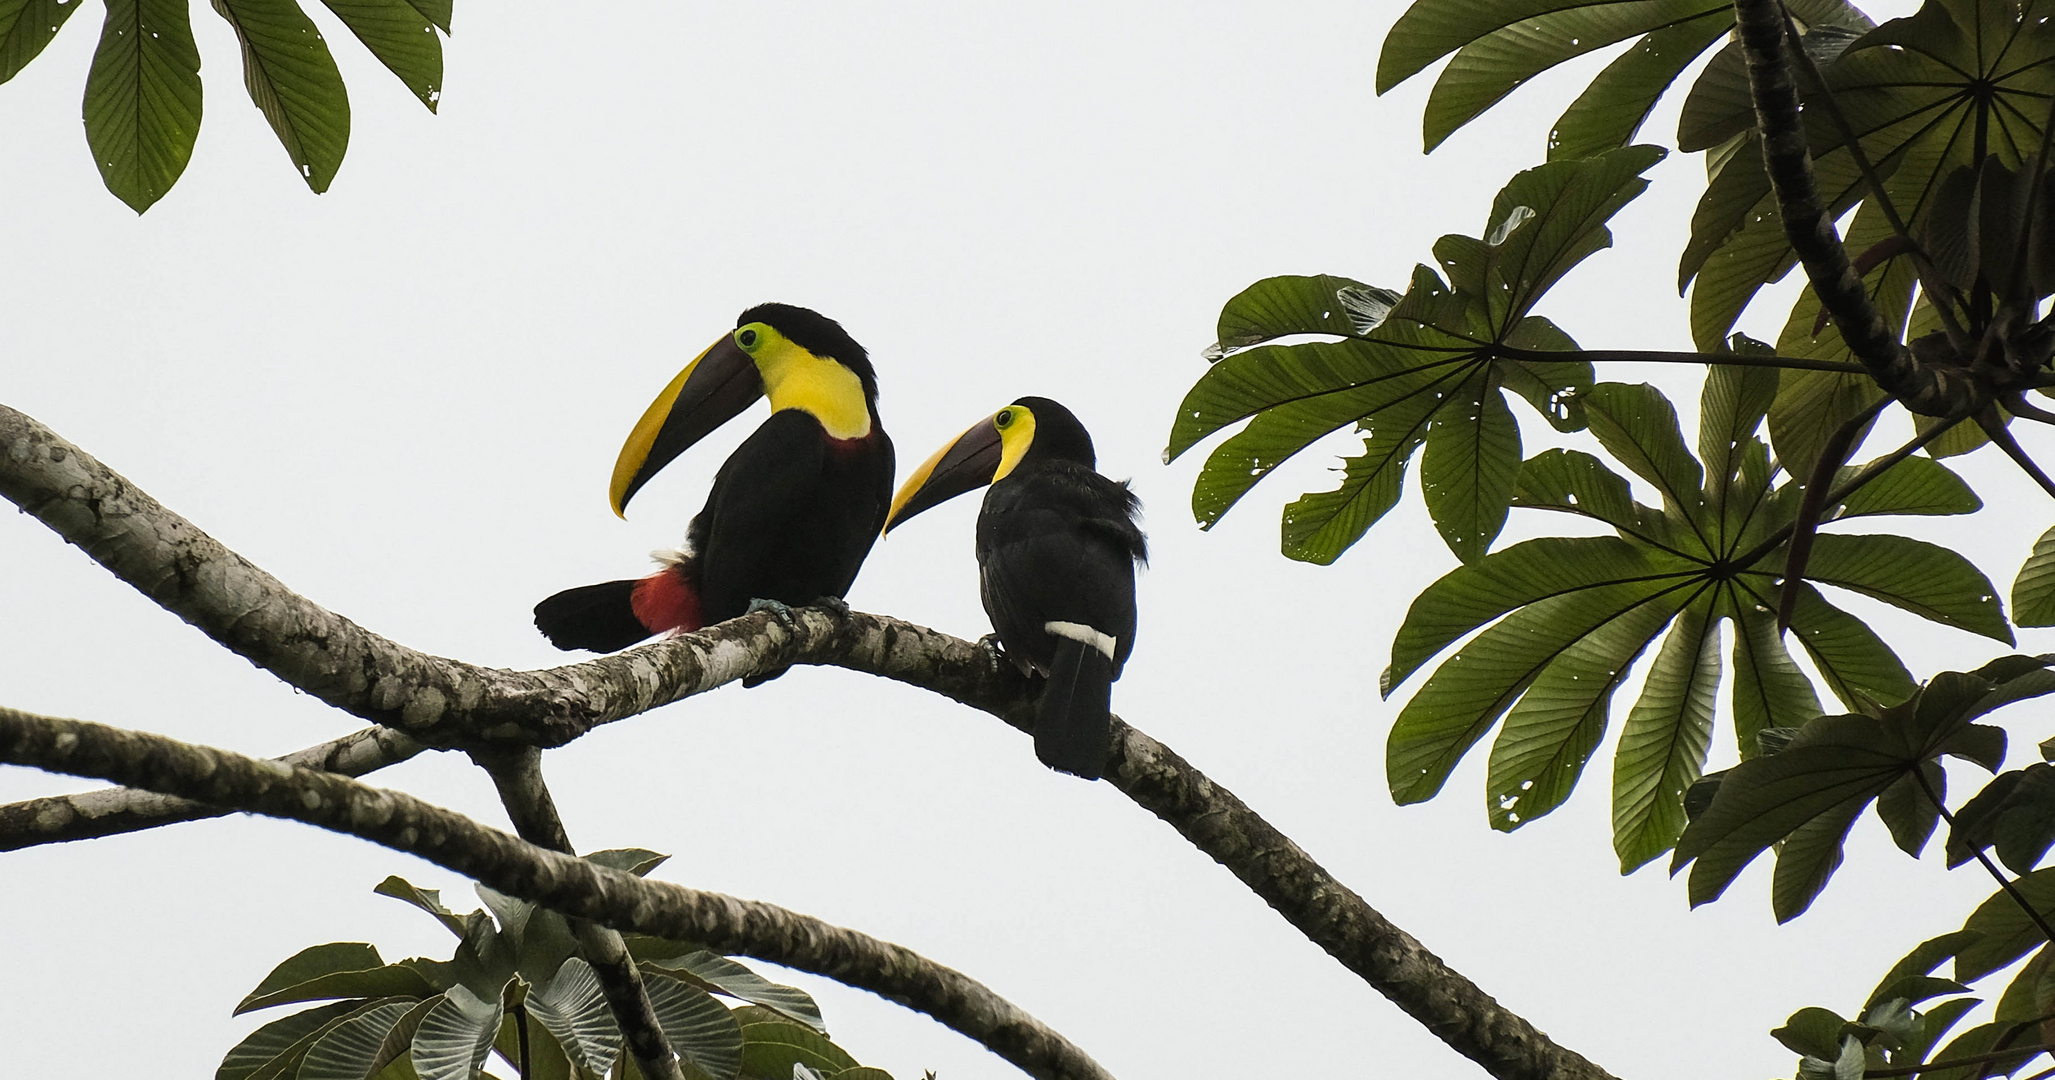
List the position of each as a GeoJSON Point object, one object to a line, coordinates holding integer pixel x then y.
{"type": "Point", "coordinates": [966, 464]}
{"type": "Point", "coordinates": [712, 390]}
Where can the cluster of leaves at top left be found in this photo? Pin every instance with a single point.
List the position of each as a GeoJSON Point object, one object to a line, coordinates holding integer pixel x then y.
{"type": "Point", "coordinates": [142, 105]}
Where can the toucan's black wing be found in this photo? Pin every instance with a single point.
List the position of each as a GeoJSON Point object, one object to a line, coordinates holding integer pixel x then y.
{"type": "Point", "coordinates": [1046, 555]}
{"type": "Point", "coordinates": [791, 516]}
{"type": "Point", "coordinates": [760, 495]}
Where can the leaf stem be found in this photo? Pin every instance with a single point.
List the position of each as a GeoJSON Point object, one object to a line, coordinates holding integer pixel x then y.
{"type": "Point", "coordinates": [521, 1036]}
{"type": "Point", "coordinates": [2005, 883]}
{"type": "Point", "coordinates": [1869, 472]}
{"type": "Point", "coordinates": [1631, 356]}
{"type": "Point", "coordinates": [1949, 1063]}
{"type": "Point", "coordinates": [1814, 503]}
{"type": "Point", "coordinates": [2000, 434]}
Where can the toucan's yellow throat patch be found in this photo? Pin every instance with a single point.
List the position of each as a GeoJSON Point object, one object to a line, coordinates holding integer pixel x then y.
{"type": "Point", "coordinates": [794, 378]}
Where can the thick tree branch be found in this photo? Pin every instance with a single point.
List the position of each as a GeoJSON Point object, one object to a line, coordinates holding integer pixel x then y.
{"type": "Point", "coordinates": [560, 882]}
{"type": "Point", "coordinates": [1923, 388]}
{"type": "Point", "coordinates": [440, 702]}
{"type": "Point", "coordinates": [1334, 917]}
{"type": "Point", "coordinates": [457, 703]}
{"type": "Point", "coordinates": [518, 776]}
{"type": "Point", "coordinates": [111, 811]}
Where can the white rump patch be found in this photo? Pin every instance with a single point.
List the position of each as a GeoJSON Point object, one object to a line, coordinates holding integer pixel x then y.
{"type": "Point", "coordinates": [1075, 631]}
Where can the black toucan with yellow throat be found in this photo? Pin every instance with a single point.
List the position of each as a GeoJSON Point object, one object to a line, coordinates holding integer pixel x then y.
{"type": "Point", "coordinates": [793, 511]}
{"type": "Point", "coordinates": [1057, 549]}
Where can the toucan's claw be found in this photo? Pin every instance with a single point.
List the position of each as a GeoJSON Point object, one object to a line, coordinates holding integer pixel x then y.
{"type": "Point", "coordinates": [833, 603]}
{"type": "Point", "coordinates": [995, 654]}
{"type": "Point", "coordinates": [779, 610]}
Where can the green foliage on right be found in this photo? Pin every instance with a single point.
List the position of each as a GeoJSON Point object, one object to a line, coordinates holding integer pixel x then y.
{"type": "Point", "coordinates": [1566, 618]}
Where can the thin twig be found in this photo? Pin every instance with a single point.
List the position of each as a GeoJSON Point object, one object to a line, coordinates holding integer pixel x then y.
{"type": "Point", "coordinates": [112, 811]}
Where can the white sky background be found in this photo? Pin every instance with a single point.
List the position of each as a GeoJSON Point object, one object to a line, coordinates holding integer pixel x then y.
{"type": "Point", "coordinates": [404, 397]}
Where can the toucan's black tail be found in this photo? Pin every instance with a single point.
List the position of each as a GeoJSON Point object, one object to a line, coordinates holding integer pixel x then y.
{"type": "Point", "coordinates": [598, 617]}
{"type": "Point", "coordinates": [1073, 723]}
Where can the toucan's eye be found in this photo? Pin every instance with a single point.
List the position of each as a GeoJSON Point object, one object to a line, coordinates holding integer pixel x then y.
{"type": "Point", "coordinates": [746, 338]}
{"type": "Point", "coordinates": [1004, 419]}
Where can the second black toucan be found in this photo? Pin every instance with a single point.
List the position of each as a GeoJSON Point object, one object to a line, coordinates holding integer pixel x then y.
{"type": "Point", "coordinates": [793, 511]}
{"type": "Point", "coordinates": [1057, 547]}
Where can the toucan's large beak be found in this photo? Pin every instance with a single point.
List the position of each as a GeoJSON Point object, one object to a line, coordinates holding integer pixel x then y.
{"type": "Point", "coordinates": [718, 384]}
{"type": "Point", "coordinates": [966, 464]}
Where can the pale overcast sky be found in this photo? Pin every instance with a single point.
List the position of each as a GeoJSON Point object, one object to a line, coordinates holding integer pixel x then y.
{"type": "Point", "coordinates": [404, 398]}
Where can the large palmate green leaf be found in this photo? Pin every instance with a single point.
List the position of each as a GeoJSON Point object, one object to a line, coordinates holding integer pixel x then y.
{"type": "Point", "coordinates": [703, 1031]}
{"type": "Point", "coordinates": [1955, 85]}
{"type": "Point", "coordinates": [1500, 45]}
{"type": "Point", "coordinates": [143, 93]}
{"type": "Point", "coordinates": [1564, 619]}
{"type": "Point", "coordinates": [1428, 369]}
{"type": "Point", "coordinates": [1807, 795]}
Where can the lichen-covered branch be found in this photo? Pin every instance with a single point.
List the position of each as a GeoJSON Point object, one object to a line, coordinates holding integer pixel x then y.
{"type": "Point", "coordinates": [518, 776]}
{"type": "Point", "coordinates": [440, 702]}
{"type": "Point", "coordinates": [560, 882]}
{"type": "Point", "coordinates": [1332, 916]}
{"type": "Point", "coordinates": [461, 704]}
{"type": "Point", "coordinates": [1922, 388]}
{"type": "Point", "coordinates": [111, 811]}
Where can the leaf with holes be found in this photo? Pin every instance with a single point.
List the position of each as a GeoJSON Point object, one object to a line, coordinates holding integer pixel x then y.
{"type": "Point", "coordinates": [1559, 622]}
{"type": "Point", "coordinates": [142, 108]}
{"type": "Point", "coordinates": [1957, 84]}
{"type": "Point", "coordinates": [398, 34]}
{"type": "Point", "coordinates": [1430, 369]}
{"type": "Point", "coordinates": [293, 81]}
{"type": "Point", "coordinates": [1500, 45]}
{"type": "Point", "coordinates": [25, 27]}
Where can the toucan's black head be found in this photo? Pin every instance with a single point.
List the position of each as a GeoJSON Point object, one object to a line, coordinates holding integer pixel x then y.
{"type": "Point", "coordinates": [817, 334]}
{"type": "Point", "coordinates": [1058, 436]}
{"type": "Point", "coordinates": [1030, 432]}
{"type": "Point", "coordinates": [800, 358]}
